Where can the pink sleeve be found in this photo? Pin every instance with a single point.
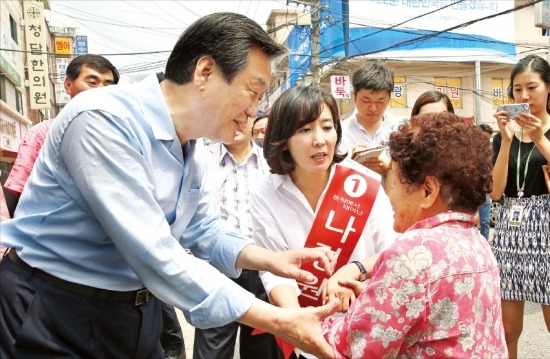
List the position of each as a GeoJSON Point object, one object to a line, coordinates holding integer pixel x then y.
{"type": "Point", "coordinates": [4, 213]}
{"type": "Point", "coordinates": [28, 152]}
{"type": "Point", "coordinates": [379, 321]}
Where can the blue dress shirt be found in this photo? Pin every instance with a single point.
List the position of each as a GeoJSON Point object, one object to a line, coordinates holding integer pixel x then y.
{"type": "Point", "coordinates": [114, 200]}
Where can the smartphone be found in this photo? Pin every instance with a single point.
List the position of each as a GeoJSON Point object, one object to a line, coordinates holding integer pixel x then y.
{"type": "Point", "coordinates": [514, 109]}
{"type": "Point", "coordinates": [362, 155]}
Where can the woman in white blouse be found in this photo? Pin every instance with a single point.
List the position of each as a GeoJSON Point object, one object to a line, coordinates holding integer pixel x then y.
{"type": "Point", "coordinates": [302, 136]}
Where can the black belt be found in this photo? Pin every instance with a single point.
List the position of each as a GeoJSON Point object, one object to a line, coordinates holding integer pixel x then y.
{"type": "Point", "coordinates": [136, 297]}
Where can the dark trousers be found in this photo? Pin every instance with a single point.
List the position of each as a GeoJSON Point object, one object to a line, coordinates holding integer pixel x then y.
{"type": "Point", "coordinates": [219, 342]}
{"type": "Point", "coordinates": [40, 320]}
{"type": "Point", "coordinates": [171, 338]}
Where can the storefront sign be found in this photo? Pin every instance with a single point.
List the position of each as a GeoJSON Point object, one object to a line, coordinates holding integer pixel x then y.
{"type": "Point", "coordinates": [37, 60]}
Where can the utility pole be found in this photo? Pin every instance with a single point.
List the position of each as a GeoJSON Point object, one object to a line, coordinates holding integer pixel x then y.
{"type": "Point", "coordinates": [478, 92]}
{"type": "Point", "coordinates": [315, 34]}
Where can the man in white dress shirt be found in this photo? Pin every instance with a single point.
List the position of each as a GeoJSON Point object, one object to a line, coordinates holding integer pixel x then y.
{"type": "Point", "coordinates": [233, 169]}
{"type": "Point", "coordinates": [370, 125]}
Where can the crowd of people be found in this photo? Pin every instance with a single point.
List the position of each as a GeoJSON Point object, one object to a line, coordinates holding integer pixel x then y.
{"type": "Point", "coordinates": [273, 233]}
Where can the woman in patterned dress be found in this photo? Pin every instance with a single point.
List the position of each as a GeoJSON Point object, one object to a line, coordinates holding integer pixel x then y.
{"type": "Point", "coordinates": [522, 247]}
{"type": "Point", "coordinates": [435, 292]}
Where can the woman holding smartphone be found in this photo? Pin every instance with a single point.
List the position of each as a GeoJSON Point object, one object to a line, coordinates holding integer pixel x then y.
{"type": "Point", "coordinates": [521, 241]}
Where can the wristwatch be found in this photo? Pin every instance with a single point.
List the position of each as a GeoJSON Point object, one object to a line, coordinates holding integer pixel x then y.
{"type": "Point", "coordinates": [362, 269]}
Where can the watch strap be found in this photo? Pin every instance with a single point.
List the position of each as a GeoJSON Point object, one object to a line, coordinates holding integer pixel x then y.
{"type": "Point", "coordinates": [362, 269]}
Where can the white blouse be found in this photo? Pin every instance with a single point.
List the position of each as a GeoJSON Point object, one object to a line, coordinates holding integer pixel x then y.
{"type": "Point", "coordinates": [282, 219]}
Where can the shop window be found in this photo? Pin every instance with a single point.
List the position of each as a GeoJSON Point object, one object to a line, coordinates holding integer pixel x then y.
{"type": "Point", "coordinates": [19, 101]}
{"type": "Point", "coordinates": [13, 28]}
{"type": "Point", "coordinates": [3, 88]}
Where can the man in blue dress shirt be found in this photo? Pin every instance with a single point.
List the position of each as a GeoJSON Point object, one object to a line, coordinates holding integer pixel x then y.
{"type": "Point", "coordinates": [116, 201]}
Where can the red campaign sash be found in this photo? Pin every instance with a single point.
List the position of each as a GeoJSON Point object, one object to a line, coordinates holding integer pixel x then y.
{"type": "Point", "coordinates": [339, 224]}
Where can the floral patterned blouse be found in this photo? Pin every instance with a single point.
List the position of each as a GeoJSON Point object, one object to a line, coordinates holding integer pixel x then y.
{"type": "Point", "coordinates": [434, 293]}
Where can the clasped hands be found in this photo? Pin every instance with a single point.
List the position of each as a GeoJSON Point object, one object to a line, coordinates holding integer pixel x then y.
{"type": "Point", "coordinates": [301, 326]}
{"type": "Point", "coordinates": [344, 285]}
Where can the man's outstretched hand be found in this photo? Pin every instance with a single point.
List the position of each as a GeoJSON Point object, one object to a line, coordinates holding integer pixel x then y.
{"type": "Point", "coordinates": [300, 327]}
{"type": "Point", "coordinates": [288, 263]}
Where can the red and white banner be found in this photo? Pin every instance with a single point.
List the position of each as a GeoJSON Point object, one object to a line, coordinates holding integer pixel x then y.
{"type": "Point", "coordinates": [338, 225]}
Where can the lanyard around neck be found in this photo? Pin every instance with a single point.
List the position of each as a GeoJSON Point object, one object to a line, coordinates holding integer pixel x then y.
{"type": "Point", "coordinates": [521, 189]}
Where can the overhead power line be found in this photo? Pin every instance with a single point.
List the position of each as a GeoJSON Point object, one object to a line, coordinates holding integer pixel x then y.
{"type": "Point", "coordinates": [417, 39]}
{"type": "Point", "coordinates": [420, 39]}
{"type": "Point", "coordinates": [73, 54]}
{"type": "Point", "coordinates": [396, 25]}
{"type": "Point", "coordinates": [437, 33]}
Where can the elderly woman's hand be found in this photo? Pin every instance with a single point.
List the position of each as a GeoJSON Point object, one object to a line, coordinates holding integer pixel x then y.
{"type": "Point", "coordinates": [333, 289]}
{"type": "Point", "coordinates": [357, 286]}
{"type": "Point", "coordinates": [345, 294]}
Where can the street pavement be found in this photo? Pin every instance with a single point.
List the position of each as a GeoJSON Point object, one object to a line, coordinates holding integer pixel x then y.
{"type": "Point", "coordinates": [534, 343]}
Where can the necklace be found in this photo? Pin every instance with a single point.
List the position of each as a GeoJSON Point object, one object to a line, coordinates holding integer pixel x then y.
{"type": "Point", "coordinates": [521, 189]}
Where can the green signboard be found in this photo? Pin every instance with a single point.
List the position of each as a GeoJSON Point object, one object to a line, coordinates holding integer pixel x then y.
{"type": "Point", "coordinates": [9, 71]}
